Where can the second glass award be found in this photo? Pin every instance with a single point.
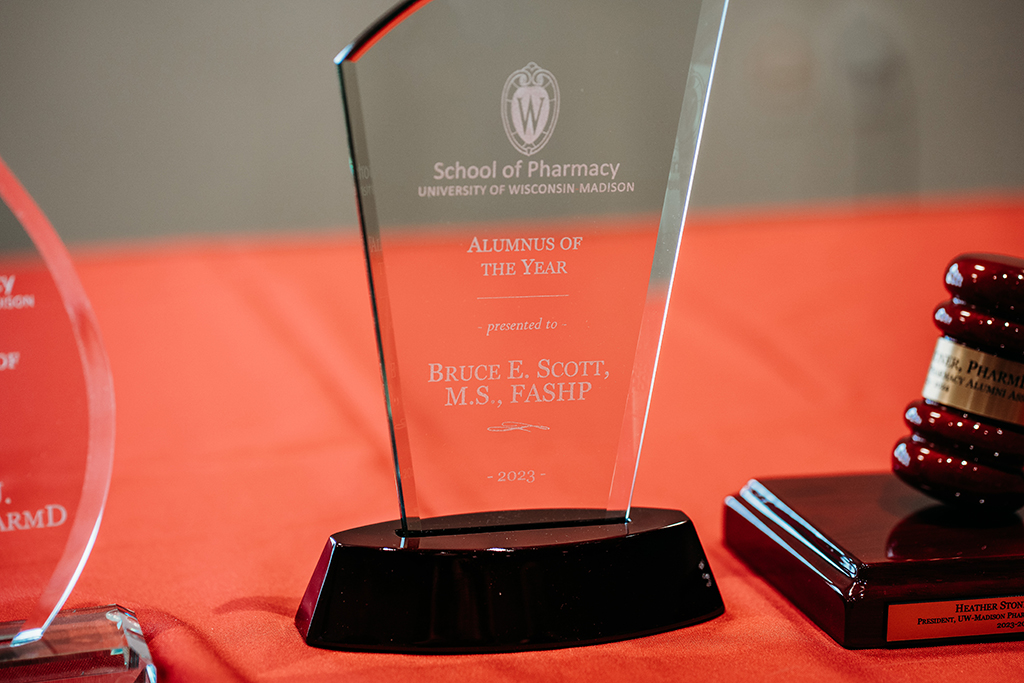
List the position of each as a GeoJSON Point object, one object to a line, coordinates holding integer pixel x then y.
{"type": "Point", "coordinates": [56, 456]}
{"type": "Point", "coordinates": [522, 170]}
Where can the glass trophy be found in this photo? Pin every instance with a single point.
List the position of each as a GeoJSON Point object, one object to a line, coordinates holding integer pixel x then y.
{"type": "Point", "coordinates": [56, 451]}
{"type": "Point", "coordinates": [522, 172]}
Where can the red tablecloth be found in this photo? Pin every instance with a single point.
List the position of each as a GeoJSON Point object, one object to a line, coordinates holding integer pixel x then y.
{"type": "Point", "coordinates": [251, 426]}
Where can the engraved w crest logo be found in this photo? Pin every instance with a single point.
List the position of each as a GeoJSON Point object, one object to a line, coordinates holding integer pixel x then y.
{"type": "Point", "coordinates": [529, 108]}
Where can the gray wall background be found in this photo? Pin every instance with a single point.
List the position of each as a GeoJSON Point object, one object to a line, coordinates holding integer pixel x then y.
{"type": "Point", "coordinates": [134, 118]}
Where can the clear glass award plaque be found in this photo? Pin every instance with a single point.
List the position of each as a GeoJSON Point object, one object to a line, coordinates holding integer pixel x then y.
{"type": "Point", "coordinates": [522, 170]}
{"type": "Point", "coordinates": [56, 450]}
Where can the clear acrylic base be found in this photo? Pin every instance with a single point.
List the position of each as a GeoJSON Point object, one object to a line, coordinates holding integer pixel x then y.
{"type": "Point", "coordinates": [98, 645]}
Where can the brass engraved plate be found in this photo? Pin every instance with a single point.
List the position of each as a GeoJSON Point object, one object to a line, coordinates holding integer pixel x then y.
{"type": "Point", "coordinates": [975, 382]}
{"type": "Point", "coordinates": [955, 618]}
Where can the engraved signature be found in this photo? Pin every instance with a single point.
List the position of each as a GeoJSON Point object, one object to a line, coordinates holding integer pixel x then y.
{"type": "Point", "coordinates": [509, 426]}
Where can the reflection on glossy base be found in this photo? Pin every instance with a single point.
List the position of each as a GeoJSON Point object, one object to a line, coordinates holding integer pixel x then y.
{"type": "Point", "coordinates": [99, 645]}
{"type": "Point", "coordinates": [515, 589]}
{"type": "Point", "coordinates": [875, 563]}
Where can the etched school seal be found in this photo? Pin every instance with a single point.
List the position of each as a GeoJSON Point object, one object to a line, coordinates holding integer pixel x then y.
{"type": "Point", "coordinates": [529, 108]}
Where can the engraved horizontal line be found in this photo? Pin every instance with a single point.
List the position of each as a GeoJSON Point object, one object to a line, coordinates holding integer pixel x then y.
{"type": "Point", "coordinates": [510, 426]}
{"type": "Point", "coordinates": [524, 296]}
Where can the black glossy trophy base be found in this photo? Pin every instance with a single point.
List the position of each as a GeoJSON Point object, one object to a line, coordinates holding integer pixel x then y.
{"type": "Point", "coordinates": [516, 589]}
{"type": "Point", "coordinates": [875, 563]}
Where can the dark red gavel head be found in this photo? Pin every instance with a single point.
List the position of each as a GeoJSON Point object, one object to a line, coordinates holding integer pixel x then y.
{"type": "Point", "coordinates": [966, 446]}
